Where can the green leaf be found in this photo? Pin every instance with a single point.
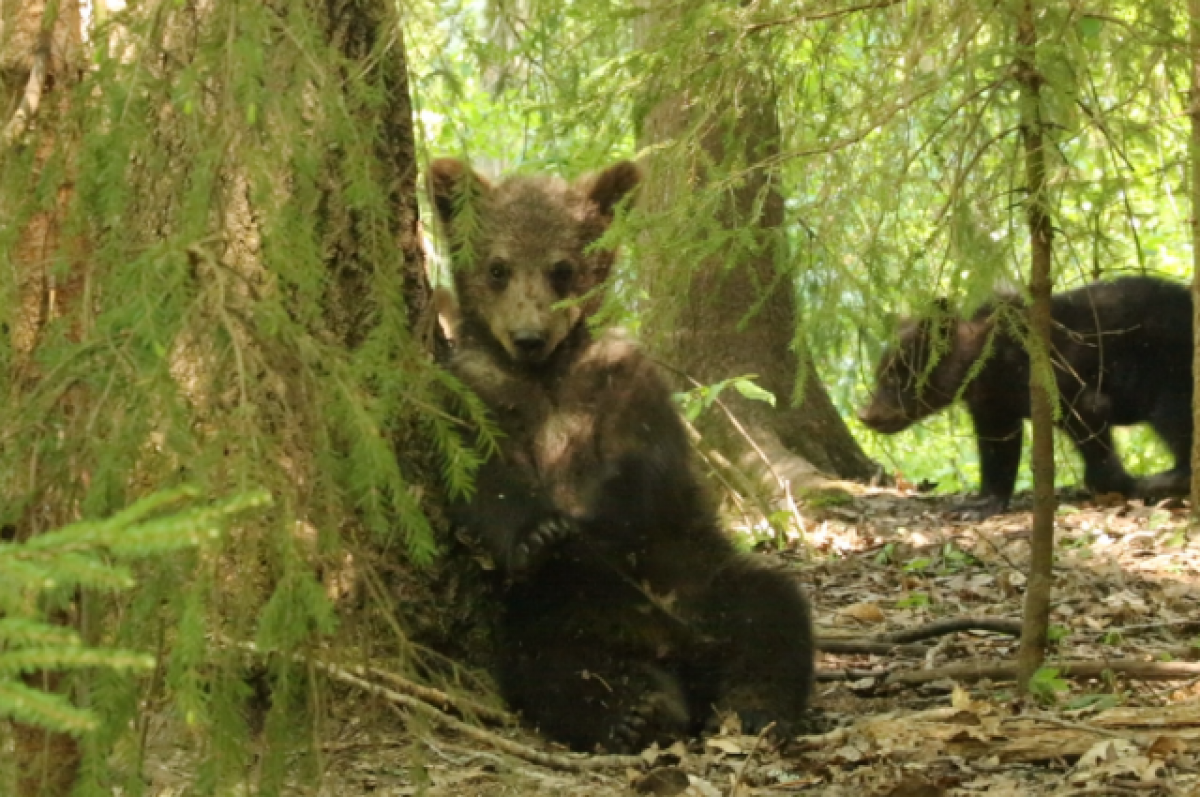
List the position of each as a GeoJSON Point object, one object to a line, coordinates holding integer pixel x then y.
{"type": "Point", "coordinates": [918, 564]}
{"type": "Point", "coordinates": [752, 391]}
{"type": "Point", "coordinates": [914, 600]}
{"type": "Point", "coordinates": [1045, 685]}
{"type": "Point", "coordinates": [1057, 633]}
{"type": "Point", "coordinates": [1090, 27]}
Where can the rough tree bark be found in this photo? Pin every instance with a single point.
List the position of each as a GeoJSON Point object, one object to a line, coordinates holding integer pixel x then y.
{"type": "Point", "coordinates": [1041, 376]}
{"type": "Point", "coordinates": [39, 47]}
{"type": "Point", "coordinates": [357, 27]}
{"type": "Point", "coordinates": [738, 312]}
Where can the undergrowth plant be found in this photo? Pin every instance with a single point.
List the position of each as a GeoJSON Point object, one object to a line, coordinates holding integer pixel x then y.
{"type": "Point", "coordinates": [45, 573]}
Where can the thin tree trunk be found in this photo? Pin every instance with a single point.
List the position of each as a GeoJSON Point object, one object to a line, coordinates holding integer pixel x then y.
{"type": "Point", "coordinates": [1194, 111]}
{"type": "Point", "coordinates": [737, 315]}
{"type": "Point", "coordinates": [1041, 376]}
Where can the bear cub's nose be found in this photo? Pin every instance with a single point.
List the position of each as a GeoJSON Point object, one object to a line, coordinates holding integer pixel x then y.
{"type": "Point", "coordinates": [529, 342]}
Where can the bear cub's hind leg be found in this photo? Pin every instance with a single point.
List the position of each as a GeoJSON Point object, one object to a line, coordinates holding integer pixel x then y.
{"type": "Point", "coordinates": [590, 691]}
{"type": "Point", "coordinates": [760, 624]}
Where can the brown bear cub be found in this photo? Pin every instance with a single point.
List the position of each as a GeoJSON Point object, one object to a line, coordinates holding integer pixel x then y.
{"type": "Point", "coordinates": [628, 615]}
{"type": "Point", "coordinates": [1122, 353]}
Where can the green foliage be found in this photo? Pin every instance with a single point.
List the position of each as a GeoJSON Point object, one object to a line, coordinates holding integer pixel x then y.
{"type": "Point", "coordinates": [1093, 702]}
{"type": "Point", "coordinates": [899, 156]}
{"type": "Point", "coordinates": [40, 573]}
{"type": "Point", "coordinates": [914, 600]}
{"type": "Point", "coordinates": [1045, 686]}
{"type": "Point", "coordinates": [700, 398]}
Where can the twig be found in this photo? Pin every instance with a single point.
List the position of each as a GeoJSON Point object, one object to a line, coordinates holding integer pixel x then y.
{"type": "Point", "coordinates": [1127, 789]}
{"type": "Point", "coordinates": [852, 674]}
{"type": "Point", "coordinates": [996, 549]}
{"type": "Point", "coordinates": [738, 427]}
{"type": "Point", "coordinates": [726, 473]}
{"type": "Point", "coordinates": [33, 92]}
{"type": "Point", "coordinates": [397, 701]}
{"type": "Point", "coordinates": [1182, 623]}
{"type": "Point", "coordinates": [439, 699]}
{"type": "Point", "coordinates": [568, 763]}
{"type": "Point", "coordinates": [1007, 671]}
{"type": "Point", "coordinates": [783, 484]}
{"type": "Point", "coordinates": [870, 647]}
{"type": "Point", "coordinates": [999, 625]}
{"type": "Point", "coordinates": [1076, 726]}
{"type": "Point", "coordinates": [815, 17]}
{"type": "Point", "coordinates": [979, 670]}
{"type": "Point", "coordinates": [741, 773]}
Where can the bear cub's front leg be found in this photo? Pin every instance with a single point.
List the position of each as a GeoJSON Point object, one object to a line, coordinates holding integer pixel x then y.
{"type": "Point", "coordinates": [515, 521]}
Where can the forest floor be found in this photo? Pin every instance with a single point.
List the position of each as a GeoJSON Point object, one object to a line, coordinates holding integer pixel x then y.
{"type": "Point", "coordinates": [931, 710]}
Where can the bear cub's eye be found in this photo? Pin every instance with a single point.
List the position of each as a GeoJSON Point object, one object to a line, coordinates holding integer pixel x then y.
{"type": "Point", "coordinates": [561, 276]}
{"type": "Point", "coordinates": [497, 272]}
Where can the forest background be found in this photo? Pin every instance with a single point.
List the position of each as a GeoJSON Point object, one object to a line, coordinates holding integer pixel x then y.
{"type": "Point", "coordinates": [211, 271]}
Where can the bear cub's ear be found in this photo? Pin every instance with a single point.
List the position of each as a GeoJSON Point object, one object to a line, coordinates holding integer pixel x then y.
{"type": "Point", "coordinates": [448, 179]}
{"type": "Point", "coordinates": [607, 188]}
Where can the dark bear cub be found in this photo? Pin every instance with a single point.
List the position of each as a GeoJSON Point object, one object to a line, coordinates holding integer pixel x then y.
{"type": "Point", "coordinates": [1122, 353]}
{"type": "Point", "coordinates": [628, 615]}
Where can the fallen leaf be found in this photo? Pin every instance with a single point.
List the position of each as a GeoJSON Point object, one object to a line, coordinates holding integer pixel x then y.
{"type": "Point", "coordinates": [867, 613]}
{"type": "Point", "coordinates": [663, 782]}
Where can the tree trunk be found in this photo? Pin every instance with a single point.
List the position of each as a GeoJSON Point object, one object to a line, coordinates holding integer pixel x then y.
{"type": "Point", "coordinates": [737, 314]}
{"type": "Point", "coordinates": [39, 48]}
{"type": "Point", "coordinates": [1041, 374]}
{"type": "Point", "coordinates": [357, 27]}
{"type": "Point", "coordinates": [1194, 112]}
{"type": "Point", "coordinates": [283, 296]}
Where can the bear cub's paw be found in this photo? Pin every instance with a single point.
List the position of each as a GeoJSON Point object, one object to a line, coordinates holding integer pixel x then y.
{"type": "Point", "coordinates": [541, 541]}
{"type": "Point", "coordinates": [658, 714]}
{"type": "Point", "coordinates": [756, 711]}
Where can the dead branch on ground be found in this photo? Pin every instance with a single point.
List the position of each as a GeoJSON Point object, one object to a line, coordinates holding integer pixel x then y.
{"type": "Point", "coordinates": [979, 670]}
{"type": "Point", "coordinates": [900, 642]}
{"type": "Point", "coordinates": [999, 625]}
{"type": "Point", "coordinates": [400, 703]}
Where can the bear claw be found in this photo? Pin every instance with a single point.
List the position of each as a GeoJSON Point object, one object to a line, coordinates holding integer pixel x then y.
{"type": "Point", "coordinates": [544, 536]}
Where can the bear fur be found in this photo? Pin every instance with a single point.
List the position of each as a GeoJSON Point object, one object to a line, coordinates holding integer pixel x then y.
{"type": "Point", "coordinates": [628, 614]}
{"type": "Point", "coordinates": [1122, 354]}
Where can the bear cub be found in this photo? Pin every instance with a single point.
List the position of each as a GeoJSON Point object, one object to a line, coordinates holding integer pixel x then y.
{"type": "Point", "coordinates": [628, 616]}
{"type": "Point", "coordinates": [1122, 354]}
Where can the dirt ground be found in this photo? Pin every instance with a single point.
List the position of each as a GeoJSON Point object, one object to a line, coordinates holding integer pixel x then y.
{"type": "Point", "coordinates": [929, 714]}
